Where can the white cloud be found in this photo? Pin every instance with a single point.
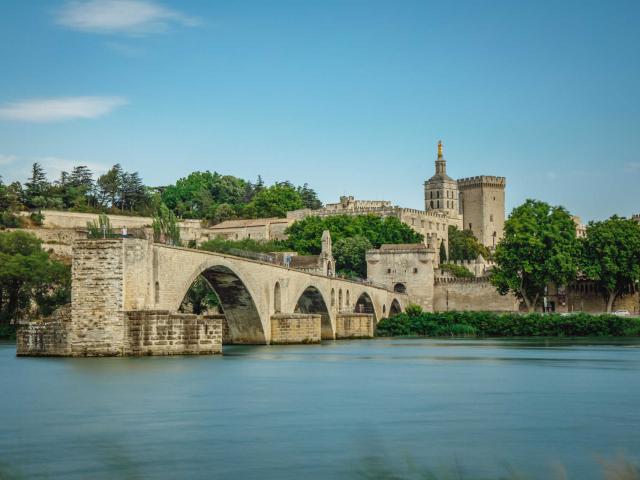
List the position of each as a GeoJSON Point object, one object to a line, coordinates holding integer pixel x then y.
{"type": "Point", "coordinates": [57, 109]}
{"type": "Point", "coordinates": [133, 17]}
{"type": "Point", "coordinates": [7, 159]}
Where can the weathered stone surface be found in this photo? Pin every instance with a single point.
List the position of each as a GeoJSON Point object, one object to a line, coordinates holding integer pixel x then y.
{"type": "Point", "coordinates": [354, 325]}
{"type": "Point", "coordinates": [45, 337]}
{"type": "Point", "coordinates": [164, 333]}
{"type": "Point", "coordinates": [295, 328]}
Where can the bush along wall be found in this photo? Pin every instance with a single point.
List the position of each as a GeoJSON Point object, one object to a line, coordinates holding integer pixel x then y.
{"type": "Point", "coordinates": [486, 324]}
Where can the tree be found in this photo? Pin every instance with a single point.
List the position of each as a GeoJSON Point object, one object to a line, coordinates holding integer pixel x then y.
{"type": "Point", "coordinates": [309, 197]}
{"type": "Point", "coordinates": [110, 187]}
{"type": "Point", "coordinates": [610, 256]}
{"type": "Point", "coordinates": [27, 274]}
{"type": "Point", "coordinates": [199, 298]}
{"type": "Point", "coordinates": [463, 245]}
{"type": "Point", "coordinates": [133, 192]}
{"type": "Point", "coordinates": [275, 201]}
{"type": "Point", "coordinates": [36, 187]}
{"type": "Point", "coordinates": [350, 256]}
{"type": "Point", "coordinates": [443, 253]}
{"type": "Point", "coordinates": [165, 227]}
{"type": "Point", "coordinates": [539, 247]}
{"type": "Point", "coordinates": [305, 236]}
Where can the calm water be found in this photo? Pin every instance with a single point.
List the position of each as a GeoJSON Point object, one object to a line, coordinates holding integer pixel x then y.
{"type": "Point", "coordinates": [326, 411]}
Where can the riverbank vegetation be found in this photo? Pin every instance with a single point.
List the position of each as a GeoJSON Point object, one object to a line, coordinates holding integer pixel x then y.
{"type": "Point", "coordinates": [32, 282]}
{"type": "Point", "coordinates": [540, 247]}
{"type": "Point", "coordinates": [487, 324]}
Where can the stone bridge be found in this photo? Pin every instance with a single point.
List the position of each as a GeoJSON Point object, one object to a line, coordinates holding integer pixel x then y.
{"type": "Point", "coordinates": [126, 294]}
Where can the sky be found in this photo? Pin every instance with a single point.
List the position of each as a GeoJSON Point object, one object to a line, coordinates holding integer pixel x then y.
{"type": "Point", "coordinates": [349, 96]}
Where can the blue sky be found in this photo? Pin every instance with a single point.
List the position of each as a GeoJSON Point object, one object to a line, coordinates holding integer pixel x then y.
{"type": "Point", "coordinates": [349, 96]}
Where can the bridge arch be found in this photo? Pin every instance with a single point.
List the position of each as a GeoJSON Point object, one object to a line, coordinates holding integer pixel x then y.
{"type": "Point", "coordinates": [237, 302]}
{"type": "Point", "coordinates": [311, 300]}
{"type": "Point", "coordinates": [365, 304]}
{"type": "Point", "coordinates": [395, 308]}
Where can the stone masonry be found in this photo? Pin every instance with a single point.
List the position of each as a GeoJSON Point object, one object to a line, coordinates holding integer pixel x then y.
{"type": "Point", "coordinates": [295, 328]}
{"type": "Point", "coordinates": [354, 325]}
{"type": "Point", "coordinates": [165, 333]}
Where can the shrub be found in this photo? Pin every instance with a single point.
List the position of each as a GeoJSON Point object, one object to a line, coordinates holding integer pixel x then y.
{"type": "Point", "coordinates": [414, 310]}
{"type": "Point", "coordinates": [488, 324]}
{"type": "Point", "coordinates": [457, 271]}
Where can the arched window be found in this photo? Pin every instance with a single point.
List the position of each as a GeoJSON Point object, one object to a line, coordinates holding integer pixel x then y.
{"type": "Point", "coordinates": [333, 297]}
{"type": "Point", "coordinates": [384, 308]}
{"type": "Point", "coordinates": [157, 292]}
{"type": "Point", "coordinates": [276, 298]}
{"type": "Point", "coordinates": [340, 299]}
{"type": "Point", "coordinates": [347, 298]}
{"type": "Point", "coordinates": [400, 288]}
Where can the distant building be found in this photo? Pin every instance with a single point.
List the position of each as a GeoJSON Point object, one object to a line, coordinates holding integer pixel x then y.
{"type": "Point", "coordinates": [475, 203]}
{"type": "Point", "coordinates": [255, 229]}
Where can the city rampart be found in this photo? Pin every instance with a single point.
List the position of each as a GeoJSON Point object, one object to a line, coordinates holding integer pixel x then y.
{"type": "Point", "coordinates": [471, 294]}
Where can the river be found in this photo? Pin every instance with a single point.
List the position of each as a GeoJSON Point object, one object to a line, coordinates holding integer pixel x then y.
{"type": "Point", "coordinates": [340, 410]}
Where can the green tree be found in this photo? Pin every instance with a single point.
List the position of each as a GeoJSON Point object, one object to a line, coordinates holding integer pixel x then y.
{"type": "Point", "coordinates": [443, 253]}
{"type": "Point", "coordinates": [309, 197]}
{"type": "Point", "coordinates": [110, 186]}
{"type": "Point", "coordinates": [36, 188]}
{"type": "Point", "coordinates": [305, 236]}
{"type": "Point", "coordinates": [27, 274]}
{"type": "Point", "coordinates": [539, 247]}
{"type": "Point", "coordinates": [463, 245]}
{"type": "Point", "coordinates": [350, 256]}
{"type": "Point", "coordinates": [610, 255]}
{"type": "Point", "coordinates": [199, 298]}
{"type": "Point", "coordinates": [275, 201]}
{"type": "Point", "coordinates": [165, 227]}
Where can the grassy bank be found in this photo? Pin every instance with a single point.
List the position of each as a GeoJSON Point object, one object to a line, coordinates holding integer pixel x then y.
{"type": "Point", "coordinates": [486, 324]}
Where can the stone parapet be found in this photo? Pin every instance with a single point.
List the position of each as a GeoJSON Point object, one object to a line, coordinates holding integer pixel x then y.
{"type": "Point", "coordinates": [296, 328]}
{"type": "Point", "coordinates": [354, 325]}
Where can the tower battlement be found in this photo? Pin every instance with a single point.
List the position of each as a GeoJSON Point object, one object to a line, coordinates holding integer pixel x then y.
{"type": "Point", "coordinates": [482, 180]}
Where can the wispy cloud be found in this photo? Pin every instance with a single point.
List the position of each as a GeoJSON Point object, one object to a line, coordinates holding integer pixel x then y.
{"type": "Point", "coordinates": [54, 166]}
{"type": "Point", "coordinates": [131, 17]}
{"type": "Point", "coordinates": [7, 159]}
{"type": "Point", "coordinates": [18, 167]}
{"type": "Point", "coordinates": [57, 109]}
{"type": "Point", "coordinates": [632, 167]}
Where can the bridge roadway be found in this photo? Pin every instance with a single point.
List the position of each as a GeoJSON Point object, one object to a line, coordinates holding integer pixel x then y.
{"type": "Point", "coordinates": [147, 276]}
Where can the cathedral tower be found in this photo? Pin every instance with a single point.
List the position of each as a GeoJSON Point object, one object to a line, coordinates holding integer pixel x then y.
{"type": "Point", "coordinates": [441, 191]}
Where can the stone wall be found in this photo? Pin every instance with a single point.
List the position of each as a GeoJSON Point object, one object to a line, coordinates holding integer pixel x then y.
{"type": "Point", "coordinates": [470, 294]}
{"type": "Point", "coordinates": [354, 325]}
{"type": "Point", "coordinates": [165, 333]}
{"type": "Point", "coordinates": [295, 328]}
{"type": "Point", "coordinates": [56, 240]}
{"type": "Point", "coordinates": [97, 298]}
{"type": "Point", "coordinates": [46, 337]}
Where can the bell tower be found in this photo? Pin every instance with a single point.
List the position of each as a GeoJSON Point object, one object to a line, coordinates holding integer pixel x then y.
{"type": "Point", "coordinates": [441, 191]}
